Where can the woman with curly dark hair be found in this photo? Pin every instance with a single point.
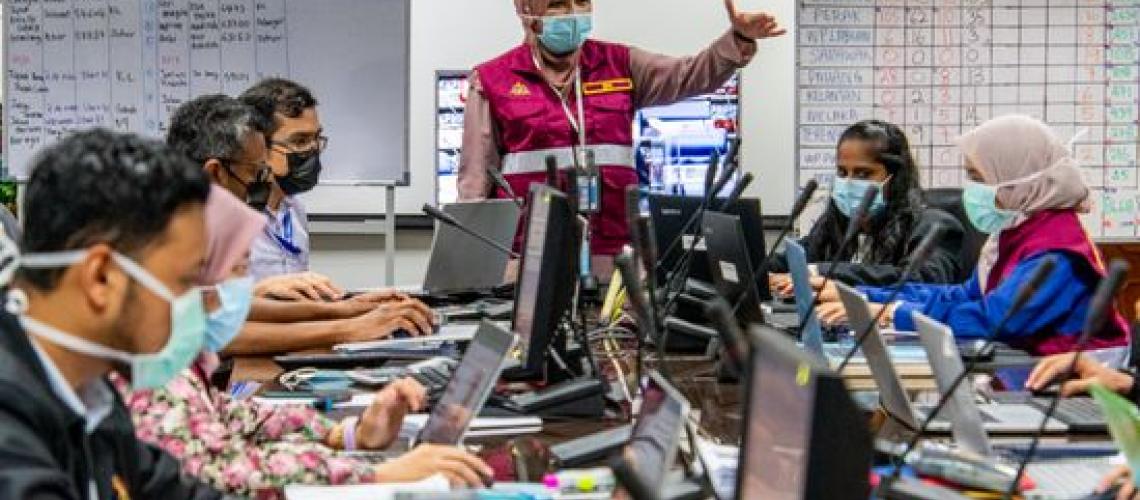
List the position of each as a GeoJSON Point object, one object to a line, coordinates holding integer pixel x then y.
{"type": "Point", "coordinates": [874, 152]}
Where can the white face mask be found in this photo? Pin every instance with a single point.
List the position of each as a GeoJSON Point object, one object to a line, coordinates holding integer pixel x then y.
{"type": "Point", "coordinates": [148, 371]}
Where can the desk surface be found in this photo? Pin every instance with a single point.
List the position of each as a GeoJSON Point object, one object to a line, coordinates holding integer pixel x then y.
{"type": "Point", "coordinates": [717, 408]}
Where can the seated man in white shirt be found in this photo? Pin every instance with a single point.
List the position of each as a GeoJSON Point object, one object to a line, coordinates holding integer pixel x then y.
{"type": "Point", "coordinates": [280, 256]}
{"type": "Point", "coordinates": [228, 139]}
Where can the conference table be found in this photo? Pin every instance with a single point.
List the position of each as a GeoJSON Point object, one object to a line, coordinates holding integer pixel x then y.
{"type": "Point", "coordinates": [717, 409]}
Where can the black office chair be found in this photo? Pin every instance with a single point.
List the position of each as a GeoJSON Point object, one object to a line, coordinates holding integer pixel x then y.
{"type": "Point", "coordinates": [950, 201]}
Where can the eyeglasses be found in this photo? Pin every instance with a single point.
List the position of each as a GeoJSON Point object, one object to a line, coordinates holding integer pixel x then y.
{"type": "Point", "coordinates": [316, 144]}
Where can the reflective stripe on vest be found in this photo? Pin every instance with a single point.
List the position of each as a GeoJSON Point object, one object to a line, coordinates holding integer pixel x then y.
{"type": "Point", "coordinates": [529, 162]}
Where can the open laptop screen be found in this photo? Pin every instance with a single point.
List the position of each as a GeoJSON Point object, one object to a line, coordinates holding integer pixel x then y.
{"type": "Point", "coordinates": [657, 434]}
{"type": "Point", "coordinates": [812, 334]}
{"type": "Point", "coordinates": [469, 386]}
{"type": "Point", "coordinates": [781, 399]}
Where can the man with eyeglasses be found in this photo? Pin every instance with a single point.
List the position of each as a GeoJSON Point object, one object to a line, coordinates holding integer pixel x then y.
{"type": "Point", "coordinates": [229, 139]}
{"type": "Point", "coordinates": [295, 144]}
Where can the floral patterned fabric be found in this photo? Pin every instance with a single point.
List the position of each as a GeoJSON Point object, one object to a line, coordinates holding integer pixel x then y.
{"type": "Point", "coordinates": [239, 447]}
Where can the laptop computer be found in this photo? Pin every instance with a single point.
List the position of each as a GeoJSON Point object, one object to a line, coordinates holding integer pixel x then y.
{"type": "Point", "coordinates": [731, 268]}
{"type": "Point", "coordinates": [804, 437]}
{"type": "Point", "coordinates": [652, 448]}
{"type": "Point", "coordinates": [460, 263]}
{"type": "Point", "coordinates": [894, 398]}
{"type": "Point", "coordinates": [971, 420]}
{"type": "Point", "coordinates": [469, 387]}
{"type": "Point", "coordinates": [812, 334]}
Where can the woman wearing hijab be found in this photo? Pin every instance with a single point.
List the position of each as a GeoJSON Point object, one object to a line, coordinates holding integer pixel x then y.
{"type": "Point", "coordinates": [563, 96]}
{"type": "Point", "coordinates": [1024, 190]}
{"type": "Point", "coordinates": [245, 448]}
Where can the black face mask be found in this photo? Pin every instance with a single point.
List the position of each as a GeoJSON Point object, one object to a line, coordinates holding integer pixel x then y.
{"type": "Point", "coordinates": [256, 192]}
{"type": "Point", "coordinates": [304, 173]}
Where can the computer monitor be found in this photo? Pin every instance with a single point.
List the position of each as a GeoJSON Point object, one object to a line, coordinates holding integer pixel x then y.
{"type": "Point", "coordinates": [656, 437]}
{"type": "Point", "coordinates": [547, 271]}
{"type": "Point", "coordinates": [452, 88]}
{"type": "Point", "coordinates": [731, 268]}
{"type": "Point", "coordinates": [670, 213]}
{"type": "Point", "coordinates": [469, 387]}
{"type": "Point", "coordinates": [804, 437]}
{"type": "Point", "coordinates": [674, 141]}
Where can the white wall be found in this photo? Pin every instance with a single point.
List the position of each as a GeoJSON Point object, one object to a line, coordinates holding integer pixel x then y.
{"type": "Point", "coordinates": [458, 34]}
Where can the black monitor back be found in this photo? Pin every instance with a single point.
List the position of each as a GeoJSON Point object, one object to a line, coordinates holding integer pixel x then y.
{"type": "Point", "coordinates": [547, 275]}
{"type": "Point", "coordinates": [671, 212]}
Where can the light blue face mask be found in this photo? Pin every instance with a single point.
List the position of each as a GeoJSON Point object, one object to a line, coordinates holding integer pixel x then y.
{"type": "Point", "coordinates": [564, 34]}
{"type": "Point", "coordinates": [980, 202]}
{"type": "Point", "coordinates": [236, 297]}
{"type": "Point", "coordinates": [848, 194]}
{"type": "Point", "coordinates": [148, 371]}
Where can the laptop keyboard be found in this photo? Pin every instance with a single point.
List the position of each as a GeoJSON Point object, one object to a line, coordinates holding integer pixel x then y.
{"type": "Point", "coordinates": [1070, 478]}
{"type": "Point", "coordinates": [1075, 411]}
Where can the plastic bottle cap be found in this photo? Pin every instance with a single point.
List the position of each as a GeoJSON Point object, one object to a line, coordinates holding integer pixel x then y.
{"type": "Point", "coordinates": [551, 481]}
{"type": "Point", "coordinates": [587, 483]}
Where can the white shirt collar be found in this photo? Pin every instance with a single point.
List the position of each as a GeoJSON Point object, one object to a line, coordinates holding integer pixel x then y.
{"type": "Point", "coordinates": [94, 401]}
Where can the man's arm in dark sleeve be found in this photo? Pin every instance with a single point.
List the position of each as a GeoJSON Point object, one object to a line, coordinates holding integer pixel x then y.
{"type": "Point", "coordinates": [27, 467]}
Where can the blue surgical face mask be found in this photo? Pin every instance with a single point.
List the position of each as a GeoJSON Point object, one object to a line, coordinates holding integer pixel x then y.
{"type": "Point", "coordinates": [148, 371]}
{"type": "Point", "coordinates": [564, 34]}
{"type": "Point", "coordinates": [847, 194]}
{"type": "Point", "coordinates": [980, 202]}
{"type": "Point", "coordinates": [236, 297]}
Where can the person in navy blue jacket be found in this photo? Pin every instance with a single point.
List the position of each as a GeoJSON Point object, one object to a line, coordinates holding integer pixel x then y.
{"type": "Point", "coordinates": [1025, 190]}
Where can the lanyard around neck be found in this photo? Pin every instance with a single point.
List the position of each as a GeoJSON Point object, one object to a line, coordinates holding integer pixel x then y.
{"type": "Point", "coordinates": [578, 123]}
{"type": "Point", "coordinates": [285, 237]}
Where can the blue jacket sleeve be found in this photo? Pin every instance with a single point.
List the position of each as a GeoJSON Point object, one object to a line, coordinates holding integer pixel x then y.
{"type": "Point", "coordinates": [972, 315]}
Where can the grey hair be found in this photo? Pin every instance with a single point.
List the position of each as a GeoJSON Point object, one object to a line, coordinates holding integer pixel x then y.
{"type": "Point", "coordinates": [214, 127]}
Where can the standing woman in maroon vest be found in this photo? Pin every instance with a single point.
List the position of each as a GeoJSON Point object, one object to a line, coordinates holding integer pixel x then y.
{"type": "Point", "coordinates": [560, 94]}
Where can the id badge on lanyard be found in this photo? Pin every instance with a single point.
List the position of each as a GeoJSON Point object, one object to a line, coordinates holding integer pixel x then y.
{"type": "Point", "coordinates": [589, 178]}
{"type": "Point", "coordinates": [285, 238]}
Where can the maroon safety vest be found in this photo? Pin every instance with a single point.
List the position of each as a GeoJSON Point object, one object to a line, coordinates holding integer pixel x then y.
{"type": "Point", "coordinates": [1050, 231]}
{"type": "Point", "coordinates": [532, 125]}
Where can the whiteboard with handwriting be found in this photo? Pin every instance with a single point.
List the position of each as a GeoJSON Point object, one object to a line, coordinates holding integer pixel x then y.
{"type": "Point", "coordinates": [941, 67]}
{"type": "Point", "coordinates": [128, 64]}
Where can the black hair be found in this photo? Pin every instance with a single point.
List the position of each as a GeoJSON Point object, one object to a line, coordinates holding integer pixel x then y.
{"type": "Point", "coordinates": [214, 126]}
{"type": "Point", "coordinates": [889, 231]}
{"type": "Point", "coordinates": [99, 186]}
{"type": "Point", "coordinates": [278, 96]}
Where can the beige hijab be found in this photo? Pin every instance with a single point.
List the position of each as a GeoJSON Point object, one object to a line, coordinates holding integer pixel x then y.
{"type": "Point", "coordinates": [1032, 168]}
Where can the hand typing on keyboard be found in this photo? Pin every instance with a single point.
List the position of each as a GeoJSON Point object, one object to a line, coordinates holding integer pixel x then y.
{"type": "Point", "coordinates": [1088, 370]}
{"type": "Point", "coordinates": [380, 424]}
{"type": "Point", "coordinates": [385, 320]}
